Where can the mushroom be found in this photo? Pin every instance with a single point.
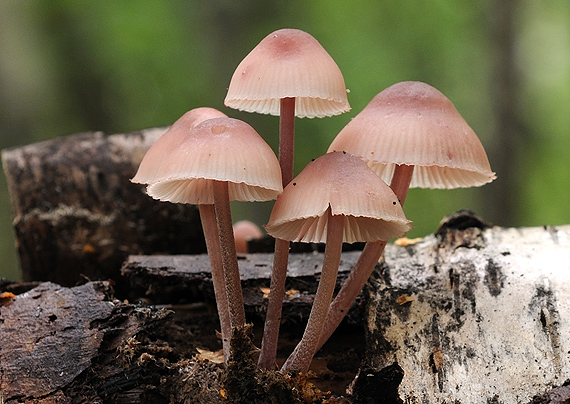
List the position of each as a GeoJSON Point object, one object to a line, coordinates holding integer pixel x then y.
{"type": "Point", "coordinates": [150, 170]}
{"type": "Point", "coordinates": [245, 230]}
{"type": "Point", "coordinates": [220, 160]}
{"type": "Point", "coordinates": [412, 135]}
{"type": "Point", "coordinates": [287, 74]}
{"type": "Point", "coordinates": [335, 199]}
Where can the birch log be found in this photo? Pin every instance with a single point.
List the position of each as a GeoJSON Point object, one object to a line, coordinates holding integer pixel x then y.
{"type": "Point", "coordinates": [471, 316]}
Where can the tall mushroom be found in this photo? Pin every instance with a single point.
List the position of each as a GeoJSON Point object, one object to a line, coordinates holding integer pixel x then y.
{"type": "Point", "coordinates": [220, 160]}
{"type": "Point", "coordinates": [150, 170]}
{"type": "Point", "coordinates": [335, 199]}
{"type": "Point", "coordinates": [412, 135]}
{"type": "Point", "coordinates": [287, 74]}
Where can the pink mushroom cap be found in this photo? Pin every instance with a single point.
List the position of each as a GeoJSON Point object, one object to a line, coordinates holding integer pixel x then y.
{"type": "Point", "coordinates": [414, 124]}
{"type": "Point", "coordinates": [288, 63]}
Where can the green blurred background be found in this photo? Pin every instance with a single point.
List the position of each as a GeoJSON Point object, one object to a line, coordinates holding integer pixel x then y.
{"type": "Point", "coordinates": [72, 66]}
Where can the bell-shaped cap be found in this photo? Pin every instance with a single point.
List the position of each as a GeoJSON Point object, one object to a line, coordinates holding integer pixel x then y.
{"type": "Point", "coordinates": [219, 149]}
{"type": "Point", "coordinates": [288, 63]}
{"type": "Point", "coordinates": [159, 152]}
{"type": "Point", "coordinates": [412, 123]}
{"type": "Point", "coordinates": [244, 231]}
{"type": "Point", "coordinates": [346, 185]}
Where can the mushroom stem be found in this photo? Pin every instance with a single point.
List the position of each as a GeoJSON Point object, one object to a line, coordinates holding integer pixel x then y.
{"type": "Point", "coordinates": [229, 256]}
{"type": "Point", "coordinates": [401, 181]}
{"type": "Point", "coordinates": [268, 352]}
{"type": "Point", "coordinates": [209, 226]}
{"type": "Point", "coordinates": [366, 262]}
{"type": "Point", "coordinates": [303, 353]}
{"type": "Point", "coordinates": [286, 138]}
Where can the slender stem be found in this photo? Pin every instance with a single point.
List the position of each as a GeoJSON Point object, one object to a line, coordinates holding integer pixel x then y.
{"type": "Point", "coordinates": [286, 138]}
{"type": "Point", "coordinates": [268, 354]}
{"type": "Point", "coordinates": [401, 181]}
{"type": "Point", "coordinates": [351, 287]}
{"type": "Point", "coordinates": [229, 256]}
{"type": "Point", "coordinates": [209, 226]}
{"type": "Point", "coordinates": [301, 357]}
{"type": "Point", "coordinates": [366, 262]}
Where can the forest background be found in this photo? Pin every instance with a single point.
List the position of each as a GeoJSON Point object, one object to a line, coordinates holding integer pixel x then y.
{"type": "Point", "coordinates": [73, 66]}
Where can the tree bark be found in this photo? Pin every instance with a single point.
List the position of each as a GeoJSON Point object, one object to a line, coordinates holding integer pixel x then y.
{"type": "Point", "coordinates": [166, 279]}
{"type": "Point", "coordinates": [76, 212]}
{"type": "Point", "coordinates": [61, 345]}
{"type": "Point", "coordinates": [470, 314]}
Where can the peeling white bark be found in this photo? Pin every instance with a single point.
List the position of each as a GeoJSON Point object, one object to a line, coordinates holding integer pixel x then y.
{"type": "Point", "coordinates": [490, 316]}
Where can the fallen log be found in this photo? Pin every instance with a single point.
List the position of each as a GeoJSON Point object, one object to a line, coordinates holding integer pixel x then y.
{"type": "Point", "coordinates": [473, 313]}
{"type": "Point", "coordinates": [76, 212]}
{"type": "Point", "coordinates": [167, 279]}
{"type": "Point", "coordinates": [470, 314]}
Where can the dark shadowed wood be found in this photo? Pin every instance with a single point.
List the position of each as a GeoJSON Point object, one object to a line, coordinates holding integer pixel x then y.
{"type": "Point", "coordinates": [50, 336]}
{"type": "Point", "coordinates": [167, 279]}
{"type": "Point", "coordinates": [76, 212]}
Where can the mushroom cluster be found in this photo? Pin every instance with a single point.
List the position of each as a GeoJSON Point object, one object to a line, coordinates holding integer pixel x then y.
{"type": "Point", "coordinates": [409, 135]}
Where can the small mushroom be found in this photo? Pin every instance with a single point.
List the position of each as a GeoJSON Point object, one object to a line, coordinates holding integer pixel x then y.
{"type": "Point", "coordinates": [287, 74]}
{"type": "Point", "coordinates": [220, 160]}
{"type": "Point", "coordinates": [335, 199]}
{"type": "Point", "coordinates": [245, 230]}
{"type": "Point", "coordinates": [411, 135]}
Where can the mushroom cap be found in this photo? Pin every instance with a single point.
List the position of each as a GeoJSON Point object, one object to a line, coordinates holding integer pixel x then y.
{"type": "Point", "coordinates": [346, 185]}
{"type": "Point", "coordinates": [412, 123]}
{"type": "Point", "coordinates": [159, 152]}
{"type": "Point", "coordinates": [220, 149]}
{"type": "Point", "coordinates": [288, 63]}
{"type": "Point", "coordinates": [245, 230]}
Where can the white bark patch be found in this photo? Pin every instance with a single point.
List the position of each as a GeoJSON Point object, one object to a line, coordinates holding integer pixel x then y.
{"type": "Point", "coordinates": [489, 320]}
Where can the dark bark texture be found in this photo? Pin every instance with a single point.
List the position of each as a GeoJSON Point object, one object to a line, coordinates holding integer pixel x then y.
{"type": "Point", "coordinates": [77, 213]}
{"type": "Point", "coordinates": [163, 279]}
{"type": "Point", "coordinates": [66, 345]}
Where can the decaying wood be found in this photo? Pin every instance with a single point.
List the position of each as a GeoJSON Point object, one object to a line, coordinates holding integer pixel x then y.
{"type": "Point", "coordinates": [74, 207]}
{"type": "Point", "coordinates": [470, 314]}
{"type": "Point", "coordinates": [163, 279]}
{"type": "Point", "coordinates": [473, 315]}
{"type": "Point", "coordinates": [60, 345]}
